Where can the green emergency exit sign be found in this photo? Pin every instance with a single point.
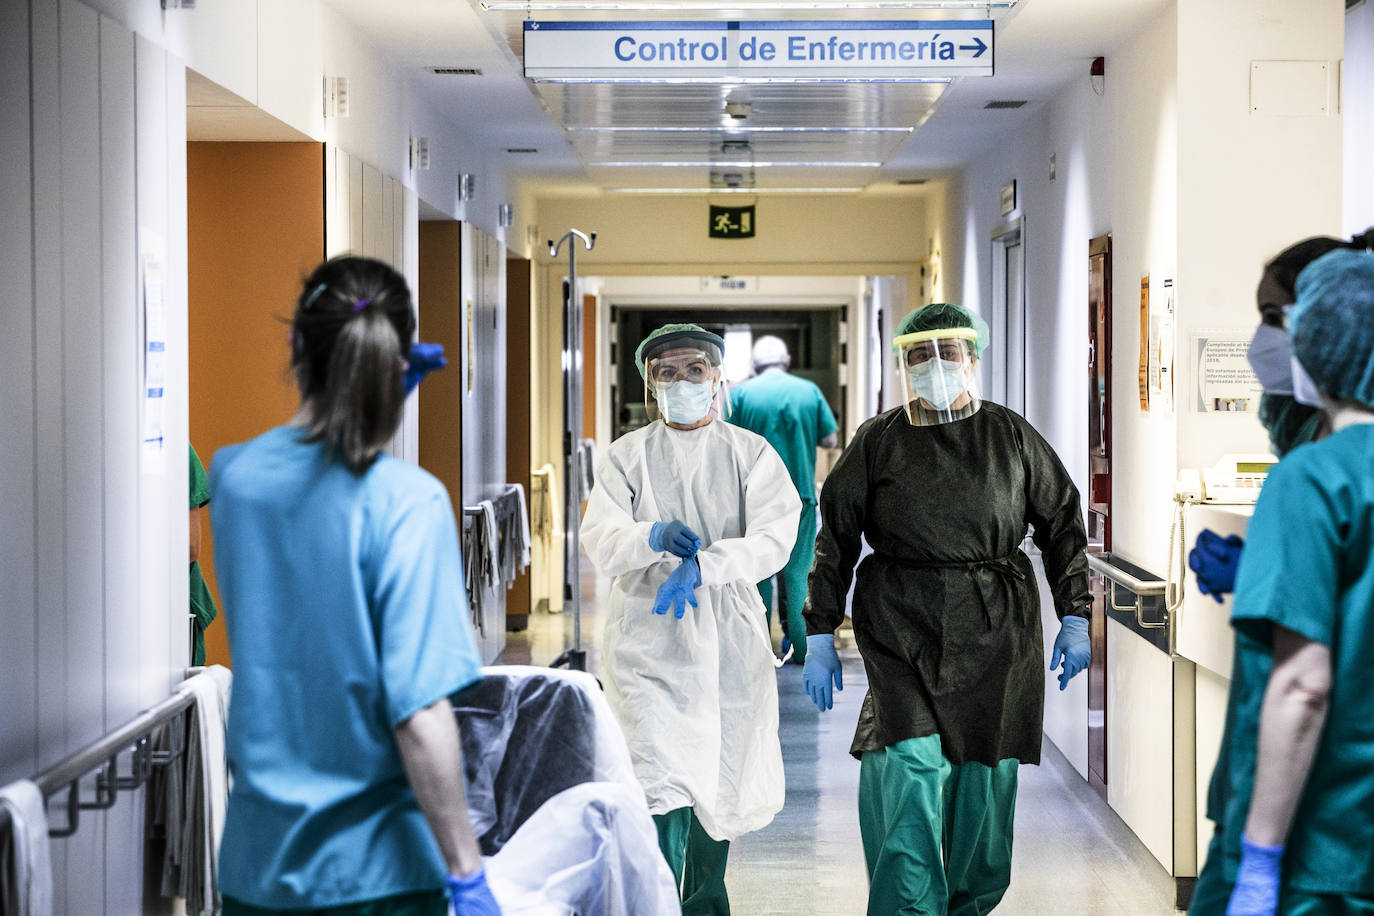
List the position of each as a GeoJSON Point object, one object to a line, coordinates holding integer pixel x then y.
{"type": "Point", "coordinates": [732, 222]}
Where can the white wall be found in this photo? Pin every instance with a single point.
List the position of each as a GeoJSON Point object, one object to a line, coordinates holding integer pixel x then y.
{"type": "Point", "coordinates": [1357, 111]}
{"type": "Point", "coordinates": [94, 551]}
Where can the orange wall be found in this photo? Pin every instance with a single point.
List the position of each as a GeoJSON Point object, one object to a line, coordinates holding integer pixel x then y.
{"type": "Point", "coordinates": [441, 321]}
{"type": "Point", "coordinates": [255, 231]}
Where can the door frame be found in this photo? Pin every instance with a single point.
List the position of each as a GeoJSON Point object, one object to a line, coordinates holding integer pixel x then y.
{"type": "Point", "coordinates": [1007, 374]}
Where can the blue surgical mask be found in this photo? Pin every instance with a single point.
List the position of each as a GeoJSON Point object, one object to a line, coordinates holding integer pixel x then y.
{"type": "Point", "coordinates": [1305, 391]}
{"type": "Point", "coordinates": [1271, 357]}
{"type": "Point", "coordinates": [938, 382]}
{"type": "Point", "coordinates": [685, 402]}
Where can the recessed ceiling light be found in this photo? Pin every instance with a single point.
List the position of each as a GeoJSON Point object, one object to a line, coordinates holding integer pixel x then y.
{"type": "Point", "coordinates": [709, 191]}
{"type": "Point", "coordinates": [746, 130]}
{"type": "Point", "coordinates": [739, 164]}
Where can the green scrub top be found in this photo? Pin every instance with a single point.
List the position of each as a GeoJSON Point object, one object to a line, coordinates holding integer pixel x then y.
{"type": "Point", "coordinates": [349, 616]}
{"type": "Point", "coordinates": [1308, 565]}
{"type": "Point", "coordinates": [792, 414]}
{"type": "Point", "coordinates": [202, 602]}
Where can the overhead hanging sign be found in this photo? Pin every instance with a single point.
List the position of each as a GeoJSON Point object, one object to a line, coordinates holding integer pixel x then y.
{"type": "Point", "coordinates": [837, 50]}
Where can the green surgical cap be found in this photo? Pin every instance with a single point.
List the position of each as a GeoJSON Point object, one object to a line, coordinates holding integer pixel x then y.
{"type": "Point", "coordinates": [1332, 324]}
{"type": "Point", "coordinates": [675, 336]}
{"type": "Point", "coordinates": [940, 315]}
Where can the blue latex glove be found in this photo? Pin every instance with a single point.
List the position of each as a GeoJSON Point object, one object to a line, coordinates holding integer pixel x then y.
{"type": "Point", "coordinates": [1073, 646]}
{"type": "Point", "coordinates": [1214, 559]}
{"type": "Point", "coordinates": [471, 896]}
{"type": "Point", "coordinates": [674, 537]}
{"type": "Point", "coordinates": [1257, 881]}
{"type": "Point", "coordinates": [821, 668]}
{"type": "Point", "coordinates": [424, 357]}
{"type": "Point", "coordinates": [679, 589]}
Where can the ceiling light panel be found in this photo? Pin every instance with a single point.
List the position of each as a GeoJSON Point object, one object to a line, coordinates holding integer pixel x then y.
{"type": "Point", "coordinates": [852, 105]}
{"type": "Point", "coordinates": [638, 145]}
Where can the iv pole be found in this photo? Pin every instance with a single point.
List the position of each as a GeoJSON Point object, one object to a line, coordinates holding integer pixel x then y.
{"type": "Point", "coordinates": [576, 657]}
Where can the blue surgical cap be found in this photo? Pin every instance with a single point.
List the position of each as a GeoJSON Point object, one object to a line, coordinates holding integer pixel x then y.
{"type": "Point", "coordinates": [1332, 324]}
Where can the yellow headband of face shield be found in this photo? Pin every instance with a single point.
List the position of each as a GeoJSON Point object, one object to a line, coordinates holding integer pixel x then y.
{"type": "Point", "coordinates": [901, 343]}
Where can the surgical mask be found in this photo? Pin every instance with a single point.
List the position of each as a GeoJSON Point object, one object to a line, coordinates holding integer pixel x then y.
{"type": "Point", "coordinates": [685, 402]}
{"type": "Point", "coordinates": [938, 382]}
{"type": "Point", "coordinates": [1271, 357]}
{"type": "Point", "coordinates": [1305, 391]}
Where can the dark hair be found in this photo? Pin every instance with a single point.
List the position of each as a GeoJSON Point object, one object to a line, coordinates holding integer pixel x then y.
{"type": "Point", "coordinates": [1285, 266]}
{"type": "Point", "coordinates": [353, 324]}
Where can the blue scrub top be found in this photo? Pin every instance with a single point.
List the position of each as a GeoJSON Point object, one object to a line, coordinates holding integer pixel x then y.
{"type": "Point", "coordinates": [1308, 565]}
{"type": "Point", "coordinates": [346, 614]}
{"type": "Point", "coordinates": [792, 414]}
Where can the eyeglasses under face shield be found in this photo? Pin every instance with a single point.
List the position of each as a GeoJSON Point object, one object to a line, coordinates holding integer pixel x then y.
{"type": "Point", "coordinates": [684, 384]}
{"type": "Point", "coordinates": [938, 373]}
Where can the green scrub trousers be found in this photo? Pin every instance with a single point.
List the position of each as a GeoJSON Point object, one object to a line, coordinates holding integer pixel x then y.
{"type": "Point", "coordinates": [793, 577]}
{"type": "Point", "coordinates": [697, 862]}
{"type": "Point", "coordinates": [937, 837]}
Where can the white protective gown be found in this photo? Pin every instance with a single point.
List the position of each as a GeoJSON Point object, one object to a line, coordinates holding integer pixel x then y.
{"type": "Point", "coordinates": [696, 697]}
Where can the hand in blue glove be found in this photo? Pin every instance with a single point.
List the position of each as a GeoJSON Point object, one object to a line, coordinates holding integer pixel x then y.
{"type": "Point", "coordinates": [1214, 559]}
{"type": "Point", "coordinates": [424, 358]}
{"type": "Point", "coordinates": [470, 895]}
{"type": "Point", "coordinates": [679, 589]}
{"type": "Point", "coordinates": [1257, 881]}
{"type": "Point", "coordinates": [821, 668]}
{"type": "Point", "coordinates": [1073, 646]}
{"type": "Point", "coordinates": [674, 537]}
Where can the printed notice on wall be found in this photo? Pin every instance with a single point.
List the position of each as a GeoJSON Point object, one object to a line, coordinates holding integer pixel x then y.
{"type": "Point", "coordinates": [154, 363]}
{"type": "Point", "coordinates": [1224, 381]}
{"type": "Point", "coordinates": [1143, 380]}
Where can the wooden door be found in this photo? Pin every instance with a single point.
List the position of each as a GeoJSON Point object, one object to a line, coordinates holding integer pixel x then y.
{"type": "Point", "coordinates": [1099, 491]}
{"type": "Point", "coordinates": [519, 394]}
{"type": "Point", "coordinates": [441, 321]}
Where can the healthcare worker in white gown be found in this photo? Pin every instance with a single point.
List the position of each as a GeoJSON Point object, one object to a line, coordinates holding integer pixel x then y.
{"type": "Point", "coordinates": [688, 514]}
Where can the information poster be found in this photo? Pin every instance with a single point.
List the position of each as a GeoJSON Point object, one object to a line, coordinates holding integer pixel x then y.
{"type": "Point", "coordinates": [154, 364]}
{"type": "Point", "coordinates": [1224, 381]}
{"type": "Point", "coordinates": [1143, 379]}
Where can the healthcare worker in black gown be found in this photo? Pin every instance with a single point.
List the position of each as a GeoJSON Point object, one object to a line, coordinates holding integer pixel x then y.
{"type": "Point", "coordinates": [947, 618]}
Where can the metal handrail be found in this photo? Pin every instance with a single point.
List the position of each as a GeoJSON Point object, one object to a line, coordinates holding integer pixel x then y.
{"type": "Point", "coordinates": [1117, 574]}
{"type": "Point", "coordinates": [103, 755]}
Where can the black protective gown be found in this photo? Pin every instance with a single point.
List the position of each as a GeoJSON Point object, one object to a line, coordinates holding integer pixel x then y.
{"type": "Point", "coordinates": [946, 609]}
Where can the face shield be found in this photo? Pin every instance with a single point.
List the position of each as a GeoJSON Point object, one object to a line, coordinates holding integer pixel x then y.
{"type": "Point", "coordinates": [684, 384]}
{"type": "Point", "coordinates": [939, 375]}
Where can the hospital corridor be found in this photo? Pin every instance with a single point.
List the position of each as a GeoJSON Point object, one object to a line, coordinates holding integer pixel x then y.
{"type": "Point", "coordinates": [686, 457]}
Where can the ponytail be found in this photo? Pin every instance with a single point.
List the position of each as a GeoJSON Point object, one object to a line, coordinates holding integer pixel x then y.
{"type": "Point", "coordinates": [352, 327]}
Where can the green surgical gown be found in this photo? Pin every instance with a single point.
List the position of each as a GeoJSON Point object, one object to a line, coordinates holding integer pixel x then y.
{"type": "Point", "coordinates": [202, 602]}
{"type": "Point", "coordinates": [946, 610]}
{"type": "Point", "coordinates": [1308, 565]}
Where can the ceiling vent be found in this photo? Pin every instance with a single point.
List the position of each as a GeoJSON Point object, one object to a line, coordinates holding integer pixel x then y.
{"type": "Point", "coordinates": [455, 71]}
{"type": "Point", "coordinates": [521, 149]}
{"type": "Point", "coordinates": [736, 148]}
{"type": "Point", "coordinates": [1005, 103]}
{"type": "Point", "coordinates": [912, 181]}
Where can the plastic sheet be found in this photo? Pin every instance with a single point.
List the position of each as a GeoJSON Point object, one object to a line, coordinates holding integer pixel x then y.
{"type": "Point", "coordinates": [529, 734]}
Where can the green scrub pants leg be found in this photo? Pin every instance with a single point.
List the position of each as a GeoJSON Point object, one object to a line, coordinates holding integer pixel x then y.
{"type": "Point", "coordinates": [697, 862]}
{"type": "Point", "coordinates": [980, 806]}
{"type": "Point", "coordinates": [937, 838]}
{"type": "Point", "coordinates": [900, 802]}
{"type": "Point", "coordinates": [794, 576]}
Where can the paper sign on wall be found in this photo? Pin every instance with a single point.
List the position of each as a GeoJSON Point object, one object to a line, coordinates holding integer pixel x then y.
{"type": "Point", "coordinates": [154, 363]}
{"type": "Point", "coordinates": [1225, 383]}
{"type": "Point", "coordinates": [1143, 377]}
